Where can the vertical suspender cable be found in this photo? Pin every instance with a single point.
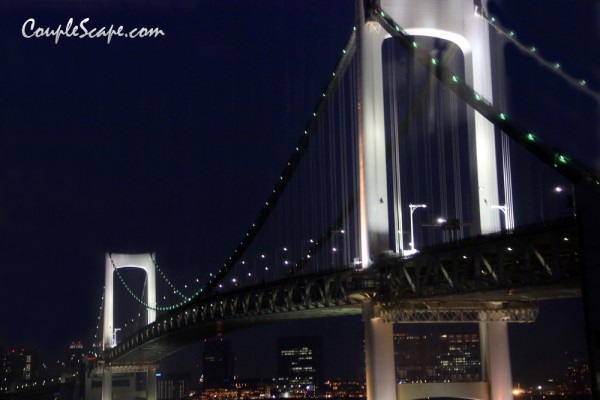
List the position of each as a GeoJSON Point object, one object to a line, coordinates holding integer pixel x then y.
{"type": "Point", "coordinates": [456, 165]}
{"type": "Point", "coordinates": [506, 166]}
{"type": "Point", "coordinates": [395, 144]}
{"type": "Point", "coordinates": [355, 140]}
{"type": "Point", "coordinates": [441, 154]}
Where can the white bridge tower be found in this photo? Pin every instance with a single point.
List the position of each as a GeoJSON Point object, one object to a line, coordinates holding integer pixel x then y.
{"type": "Point", "coordinates": [456, 21]}
{"type": "Point", "coordinates": [115, 262]}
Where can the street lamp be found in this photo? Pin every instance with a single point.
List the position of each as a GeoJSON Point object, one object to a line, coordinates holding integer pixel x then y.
{"type": "Point", "coordinates": [507, 224]}
{"type": "Point", "coordinates": [413, 207]}
{"type": "Point", "coordinates": [568, 195]}
{"type": "Point", "coordinates": [114, 337]}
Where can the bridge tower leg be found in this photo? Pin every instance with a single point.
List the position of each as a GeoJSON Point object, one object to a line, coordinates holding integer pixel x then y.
{"type": "Point", "coordinates": [379, 355]}
{"type": "Point", "coordinates": [373, 197]}
{"type": "Point", "coordinates": [113, 263]}
{"type": "Point", "coordinates": [107, 384]}
{"type": "Point", "coordinates": [495, 359]}
{"type": "Point", "coordinates": [151, 384]}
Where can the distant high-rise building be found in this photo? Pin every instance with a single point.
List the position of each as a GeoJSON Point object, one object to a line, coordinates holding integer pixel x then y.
{"type": "Point", "coordinates": [75, 356]}
{"type": "Point", "coordinates": [217, 364]}
{"type": "Point", "coordinates": [17, 366]}
{"type": "Point", "coordinates": [21, 365]}
{"type": "Point", "coordinates": [442, 357]}
{"type": "Point", "coordinates": [172, 386]}
{"type": "Point", "coordinates": [300, 364]}
{"type": "Point", "coordinates": [576, 380]}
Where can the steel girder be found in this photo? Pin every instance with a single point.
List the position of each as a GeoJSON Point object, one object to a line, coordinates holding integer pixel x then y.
{"type": "Point", "coordinates": [521, 267]}
{"type": "Point", "coordinates": [529, 262]}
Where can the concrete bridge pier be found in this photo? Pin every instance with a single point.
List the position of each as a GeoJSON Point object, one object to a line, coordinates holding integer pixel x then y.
{"type": "Point", "coordinates": [379, 354]}
{"type": "Point", "coordinates": [496, 378]}
{"type": "Point", "coordinates": [495, 359]}
{"type": "Point", "coordinates": [109, 374]}
{"type": "Point", "coordinates": [107, 384]}
{"type": "Point", "coordinates": [151, 384]}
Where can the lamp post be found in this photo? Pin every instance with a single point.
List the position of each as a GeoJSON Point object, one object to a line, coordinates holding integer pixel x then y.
{"type": "Point", "coordinates": [337, 246]}
{"type": "Point", "coordinates": [504, 210]}
{"type": "Point", "coordinates": [413, 207]}
{"type": "Point", "coordinates": [114, 337]}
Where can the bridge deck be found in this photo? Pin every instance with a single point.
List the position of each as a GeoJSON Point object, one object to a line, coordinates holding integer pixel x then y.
{"type": "Point", "coordinates": [517, 267]}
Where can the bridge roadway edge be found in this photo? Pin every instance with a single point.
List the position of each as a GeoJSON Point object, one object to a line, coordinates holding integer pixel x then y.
{"type": "Point", "coordinates": [355, 287]}
{"type": "Point", "coordinates": [172, 342]}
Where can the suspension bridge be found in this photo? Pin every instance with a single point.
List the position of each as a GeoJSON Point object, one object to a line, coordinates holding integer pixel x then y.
{"type": "Point", "coordinates": [396, 204]}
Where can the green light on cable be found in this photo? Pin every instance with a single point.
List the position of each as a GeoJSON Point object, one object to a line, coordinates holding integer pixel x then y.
{"type": "Point", "coordinates": [562, 159]}
{"type": "Point", "coordinates": [531, 137]}
{"type": "Point", "coordinates": [502, 116]}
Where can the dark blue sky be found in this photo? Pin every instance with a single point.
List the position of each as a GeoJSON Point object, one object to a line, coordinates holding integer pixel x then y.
{"type": "Point", "coordinates": [172, 144]}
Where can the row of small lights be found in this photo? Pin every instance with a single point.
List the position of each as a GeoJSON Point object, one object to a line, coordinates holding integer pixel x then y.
{"type": "Point", "coordinates": [533, 51]}
{"type": "Point", "coordinates": [141, 301]}
{"type": "Point", "coordinates": [287, 173]}
{"type": "Point", "coordinates": [162, 275]}
{"type": "Point", "coordinates": [34, 384]}
{"type": "Point", "coordinates": [269, 205]}
{"type": "Point", "coordinates": [235, 280]}
{"type": "Point", "coordinates": [96, 340]}
{"type": "Point", "coordinates": [529, 138]}
{"type": "Point", "coordinates": [188, 299]}
{"type": "Point", "coordinates": [308, 255]}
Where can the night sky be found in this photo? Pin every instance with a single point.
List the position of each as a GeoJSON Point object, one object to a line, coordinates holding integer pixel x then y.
{"type": "Point", "coordinates": [172, 144]}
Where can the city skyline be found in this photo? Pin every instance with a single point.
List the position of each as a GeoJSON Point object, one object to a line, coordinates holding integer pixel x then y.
{"type": "Point", "coordinates": [90, 129]}
{"type": "Point", "coordinates": [194, 363]}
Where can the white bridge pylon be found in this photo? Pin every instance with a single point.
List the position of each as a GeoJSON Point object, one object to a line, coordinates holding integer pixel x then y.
{"type": "Point", "coordinates": [113, 263]}
{"type": "Point", "coordinates": [458, 22]}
